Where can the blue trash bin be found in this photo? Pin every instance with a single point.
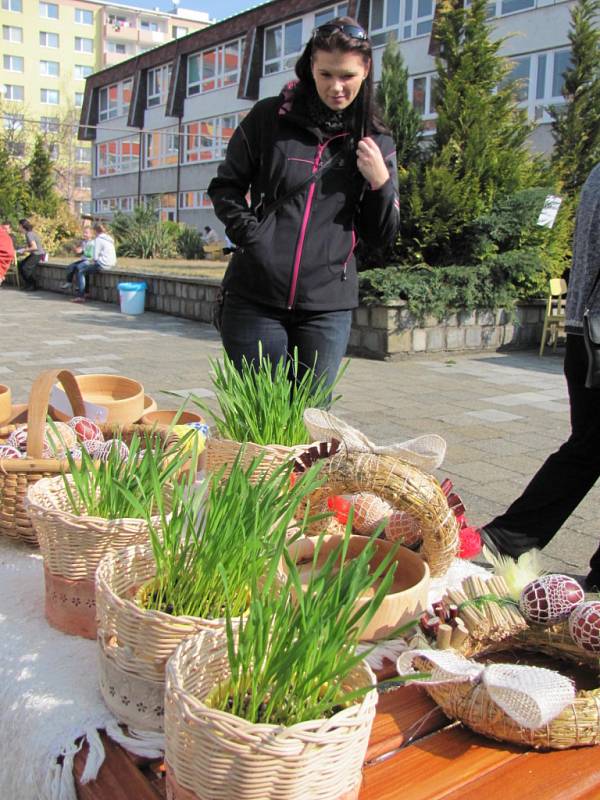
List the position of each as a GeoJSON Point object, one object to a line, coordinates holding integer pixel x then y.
{"type": "Point", "coordinates": [132, 297]}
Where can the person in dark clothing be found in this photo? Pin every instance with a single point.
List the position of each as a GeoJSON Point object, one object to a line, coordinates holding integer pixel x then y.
{"type": "Point", "coordinates": [35, 253]}
{"type": "Point", "coordinates": [568, 474]}
{"type": "Point", "coordinates": [292, 280]}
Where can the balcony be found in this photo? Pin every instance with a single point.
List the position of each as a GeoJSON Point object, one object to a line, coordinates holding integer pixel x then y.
{"type": "Point", "coordinates": [152, 37]}
{"type": "Point", "coordinates": [114, 58]}
{"type": "Point", "coordinates": [120, 33]}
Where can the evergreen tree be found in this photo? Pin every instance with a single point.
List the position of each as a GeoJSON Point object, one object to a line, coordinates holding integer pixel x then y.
{"type": "Point", "coordinates": [576, 128]}
{"type": "Point", "coordinates": [399, 115]}
{"type": "Point", "coordinates": [12, 186]}
{"type": "Point", "coordinates": [479, 149]}
{"type": "Point", "coordinates": [43, 198]}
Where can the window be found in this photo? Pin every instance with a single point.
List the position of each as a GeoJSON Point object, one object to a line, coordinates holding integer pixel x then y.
{"type": "Point", "coordinates": [161, 148]}
{"type": "Point", "coordinates": [158, 85]}
{"type": "Point", "coordinates": [48, 39]}
{"type": "Point", "coordinates": [82, 71]}
{"type": "Point", "coordinates": [83, 182]}
{"type": "Point", "coordinates": [207, 139]}
{"type": "Point", "coordinates": [50, 96]}
{"type": "Point", "coordinates": [321, 17]}
{"type": "Point", "coordinates": [179, 30]}
{"type": "Point", "coordinates": [116, 47]}
{"type": "Point", "coordinates": [165, 205]}
{"type": "Point", "coordinates": [114, 100]}
{"type": "Point", "coordinates": [49, 124]}
{"type": "Point", "coordinates": [400, 19]}
{"type": "Point", "coordinates": [215, 68]}
{"type": "Point", "coordinates": [13, 63]}
{"type": "Point", "coordinates": [14, 92]}
{"type": "Point", "coordinates": [78, 99]}
{"type": "Point", "coordinates": [10, 33]}
{"type": "Point", "coordinates": [83, 155]}
{"type": "Point", "coordinates": [12, 5]}
{"type": "Point", "coordinates": [82, 207]}
{"type": "Point", "coordinates": [117, 156]}
{"type": "Point", "coordinates": [199, 199]}
{"type": "Point", "coordinates": [497, 8]}
{"type": "Point", "coordinates": [13, 122]}
{"type": "Point", "coordinates": [118, 21]}
{"type": "Point", "coordinates": [540, 79]}
{"type": "Point", "coordinates": [283, 45]}
{"type": "Point", "coordinates": [84, 17]}
{"type": "Point", "coordinates": [49, 10]}
{"type": "Point", "coordinates": [50, 68]}
{"type": "Point", "coordinates": [83, 45]}
{"type": "Point", "coordinates": [421, 90]}
{"type": "Point", "coordinates": [53, 150]}
{"type": "Point", "coordinates": [108, 205]}
{"type": "Point", "coordinates": [149, 25]}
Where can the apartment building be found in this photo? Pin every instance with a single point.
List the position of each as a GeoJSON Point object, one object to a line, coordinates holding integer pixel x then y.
{"type": "Point", "coordinates": [160, 124]}
{"type": "Point", "coordinates": [48, 49]}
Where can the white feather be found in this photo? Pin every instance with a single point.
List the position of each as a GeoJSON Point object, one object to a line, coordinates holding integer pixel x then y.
{"type": "Point", "coordinates": [517, 573]}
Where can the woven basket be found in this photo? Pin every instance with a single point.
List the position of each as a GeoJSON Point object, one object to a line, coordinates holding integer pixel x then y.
{"type": "Point", "coordinates": [406, 488]}
{"type": "Point", "coordinates": [17, 475]}
{"type": "Point", "coordinates": [223, 452]}
{"type": "Point", "coordinates": [213, 755]}
{"type": "Point", "coordinates": [72, 547]}
{"type": "Point", "coordinates": [135, 643]}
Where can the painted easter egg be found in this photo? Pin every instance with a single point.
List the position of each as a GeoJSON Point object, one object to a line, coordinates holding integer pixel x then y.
{"type": "Point", "coordinates": [184, 430]}
{"type": "Point", "coordinates": [75, 453]}
{"type": "Point", "coordinates": [6, 451]}
{"type": "Point", "coordinates": [93, 447]}
{"type": "Point", "coordinates": [403, 527]}
{"type": "Point", "coordinates": [584, 625]}
{"type": "Point", "coordinates": [105, 449]}
{"type": "Point", "coordinates": [369, 512]}
{"type": "Point", "coordinates": [58, 439]}
{"type": "Point", "coordinates": [86, 429]}
{"type": "Point", "coordinates": [18, 438]}
{"type": "Point", "coordinates": [550, 599]}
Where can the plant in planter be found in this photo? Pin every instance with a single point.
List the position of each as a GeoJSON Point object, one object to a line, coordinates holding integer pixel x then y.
{"type": "Point", "coordinates": [150, 599]}
{"type": "Point", "coordinates": [283, 708]}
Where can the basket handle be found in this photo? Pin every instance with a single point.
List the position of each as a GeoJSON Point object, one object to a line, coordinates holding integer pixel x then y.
{"type": "Point", "coordinates": [38, 405]}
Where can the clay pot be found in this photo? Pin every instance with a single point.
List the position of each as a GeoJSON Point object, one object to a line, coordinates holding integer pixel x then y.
{"type": "Point", "coordinates": [166, 416]}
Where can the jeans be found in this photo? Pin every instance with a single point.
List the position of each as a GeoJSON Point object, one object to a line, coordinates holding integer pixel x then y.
{"type": "Point", "coordinates": [85, 268]}
{"type": "Point", "coordinates": [27, 268]}
{"type": "Point", "coordinates": [316, 334]}
{"type": "Point", "coordinates": [72, 268]}
{"type": "Point", "coordinates": [566, 476]}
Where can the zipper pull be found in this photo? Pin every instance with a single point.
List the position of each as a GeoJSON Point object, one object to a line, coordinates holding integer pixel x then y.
{"type": "Point", "coordinates": [344, 276]}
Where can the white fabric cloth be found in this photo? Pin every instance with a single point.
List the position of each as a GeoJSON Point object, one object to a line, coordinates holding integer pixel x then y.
{"type": "Point", "coordinates": [531, 696]}
{"type": "Point", "coordinates": [104, 251]}
{"type": "Point", "coordinates": [49, 694]}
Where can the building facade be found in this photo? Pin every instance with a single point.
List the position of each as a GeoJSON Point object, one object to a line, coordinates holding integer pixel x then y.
{"type": "Point", "coordinates": [160, 124]}
{"type": "Point", "coordinates": [48, 49]}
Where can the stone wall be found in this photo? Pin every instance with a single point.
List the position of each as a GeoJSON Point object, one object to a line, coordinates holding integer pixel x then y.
{"type": "Point", "coordinates": [381, 332]}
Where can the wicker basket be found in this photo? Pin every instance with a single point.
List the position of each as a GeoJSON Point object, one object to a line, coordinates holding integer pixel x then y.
{"type": "Point", "coordinates": [223, 452]}
{"type": "Point", "coordinates": [213, 755]}
{"type": "Point", "coordinates": [135, 643]}
{"type": "Point", "coordinates": [72, 547]}
{"type": "Point", "coordinates": [17, 475]}
{"type": "Point", "coordinates": [406, 488]}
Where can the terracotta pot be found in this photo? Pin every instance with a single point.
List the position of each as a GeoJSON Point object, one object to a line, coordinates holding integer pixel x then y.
{"type": "Point", "coordinates": [405, 601]}
{"type": "Point", "coordinates": [5, 404]}
{"type": "Point", "coordinates": [166, 416]}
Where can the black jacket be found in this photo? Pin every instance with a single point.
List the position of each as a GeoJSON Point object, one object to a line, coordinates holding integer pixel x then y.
{"type": "Point", "coordinates": [302, 255]}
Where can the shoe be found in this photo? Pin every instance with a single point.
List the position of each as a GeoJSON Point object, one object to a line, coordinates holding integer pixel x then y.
{"type": "Point", "coordinates": [78, 300]}
{"type": "Point", "coordinates": [65, 285]}
{"type": "Point", "coordinates": [592, 582]}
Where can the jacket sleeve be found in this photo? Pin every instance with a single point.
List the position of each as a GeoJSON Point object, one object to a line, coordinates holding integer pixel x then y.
{"type": "Point", "coordinates": [378, 218]}
{"type": "Point", "coordinates": [229, 189]}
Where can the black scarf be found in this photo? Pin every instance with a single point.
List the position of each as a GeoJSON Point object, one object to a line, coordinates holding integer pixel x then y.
{"type": "Point", "coordinates": [324, 118]}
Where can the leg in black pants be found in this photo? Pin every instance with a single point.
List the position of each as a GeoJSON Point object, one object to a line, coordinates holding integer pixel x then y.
{"type": "Point", "coordinates": [566, 476]}
{"type": "Point", "coordinates": [27, 269]}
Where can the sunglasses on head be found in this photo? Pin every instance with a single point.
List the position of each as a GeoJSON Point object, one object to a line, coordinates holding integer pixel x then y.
{"type": "Point", "coordinates": [353, 31]}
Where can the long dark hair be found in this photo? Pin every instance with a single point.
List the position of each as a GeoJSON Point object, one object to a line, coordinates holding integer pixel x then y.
{"type": "Point", "coordinates": [26, 225]}
{"type": "Point", "coordinates": [366, 117]}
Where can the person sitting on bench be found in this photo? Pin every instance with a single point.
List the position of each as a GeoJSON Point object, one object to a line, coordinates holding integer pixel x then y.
{"type": "Point", "coordinates": [86, 250]}
{"type": "Point", "coordinates": [104, 258]}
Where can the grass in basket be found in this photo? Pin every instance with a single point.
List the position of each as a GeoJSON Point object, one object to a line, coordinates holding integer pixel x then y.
{"type": "Point", "coordinates": [294, 649]}
{"type": "Point", "coordinates": [96, 488]}
{"type": "Point", "coordinates": [265, 404]}
{"type": "Point", "coordinates": [221, 528]}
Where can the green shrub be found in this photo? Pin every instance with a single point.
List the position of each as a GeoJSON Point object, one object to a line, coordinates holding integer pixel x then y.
{"type": "Point", "coordinates": [143, 235]}
{"type": "Point", "coordinates": [190, 243]}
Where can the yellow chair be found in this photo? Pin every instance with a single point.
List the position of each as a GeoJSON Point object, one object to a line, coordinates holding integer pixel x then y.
{"type": "Point", "coordinates": [554, 319]}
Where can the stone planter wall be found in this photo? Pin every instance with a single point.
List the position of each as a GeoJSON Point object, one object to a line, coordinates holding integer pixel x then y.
{"type": "Point", "coordinates": [381, 332]}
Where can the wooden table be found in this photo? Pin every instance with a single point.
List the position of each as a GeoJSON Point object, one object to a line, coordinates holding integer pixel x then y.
{"type": "Point", "coordinates": [414, 753]}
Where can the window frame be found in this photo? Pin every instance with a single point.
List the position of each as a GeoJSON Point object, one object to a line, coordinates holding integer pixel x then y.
{"type": "Point", "coordinates": [337, 10]}
{"type": "Point", "coordinates": [13, 86]}
{"type": "Point", "coordinates": [218, 146]}
{"type": "Point", "coordinates": [163, 72]}
{"type": "Point", "coordinates": [47, 102]}
{"type": "Point", "coordinates": [6, 6]}
{"type": "Point", "coordinates": [7, 59]}
{"type": "Point", "coordinates": [78, 68]}
{"type": "Point", "coordinates": [166, 152]}
{"type": "Point", "coordinates": [120, 107]}
{"type": "Point", "coordinates": [402, 28]}
{"type": "Point", "coordinates": [200, 200]}
{"type": "Point", "coordinates": [83, 11]}
{"type": "Point", "coordinates": [282, 62]}
{"type": "Point", "coordinates": [47, 34]}
{"type": "Point", "coordinates": [82, 39]}
{"type": "Point", "coordinates": [219, 75]}
{"type": "Point", "coordinates": [121, 164]}
{"type": "Point", "coordinates": [44, 4]}
{"type": "Point", "coordinates": [49, 74]}
{"type": "Point", "coordinates": [10, 29]}
{"type": "Point", "coordinates": [541, 60]}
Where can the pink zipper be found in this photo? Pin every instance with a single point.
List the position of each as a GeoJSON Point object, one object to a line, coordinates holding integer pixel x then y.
{"type": "Point", "coordinates": [305, 217]}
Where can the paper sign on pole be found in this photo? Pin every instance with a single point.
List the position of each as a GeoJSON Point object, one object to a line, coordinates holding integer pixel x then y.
{"type": "Point", "coordinates": [548, 213]}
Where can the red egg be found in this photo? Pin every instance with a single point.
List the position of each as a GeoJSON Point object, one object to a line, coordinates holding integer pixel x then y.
{"type": "Point", "coordinates": [369, 512]}
{"type": "Point", "coordinates": [403, 527]}
{"type": "Point", "coordinates": [550, 599]}
{"type": "Point", "coordinates": [584, 625]}
{"type": "Point", "coordinates": [86, 429]}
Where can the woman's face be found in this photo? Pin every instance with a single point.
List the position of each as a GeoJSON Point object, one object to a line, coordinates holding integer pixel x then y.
{"type": "Point", "coordinates": [338, 77]}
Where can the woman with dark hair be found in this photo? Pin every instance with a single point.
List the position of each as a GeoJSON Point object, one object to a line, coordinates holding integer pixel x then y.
{"type": "Point", "coordinates": [321, 170]}
{"type": "Point", "coordinates": [35, 253]}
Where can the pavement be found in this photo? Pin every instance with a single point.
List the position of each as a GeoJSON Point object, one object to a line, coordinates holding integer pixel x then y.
{"type": "Point", "coordinates": [501, 414]}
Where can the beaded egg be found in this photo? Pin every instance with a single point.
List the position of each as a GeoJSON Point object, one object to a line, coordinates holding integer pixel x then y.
{"type": "Point", "coordinates": [403, 527]}
{"type": "Point", "coordinates": [550, 599]}
{"type": "Point", "coordinates": [86, 429]}
{"type": "Point", "coordinates": [18, 438]}
{"type": "Point", "coordinates": [7, 451]}
{"type": "Point", "coordinates": [103, 452]}
{"type": "Point", "coordinates": [369, 512]}
{"type": "Point", "coordinates": [58, 439]}
{"type": "Point", "coordinates": [93, 447]}
{"type": "Point", "coordinates": [584, 625]}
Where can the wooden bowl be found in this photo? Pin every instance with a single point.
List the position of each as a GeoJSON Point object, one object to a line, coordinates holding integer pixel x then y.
{"type": "Point", "coordinates": [407, 598]}
{"type": "Point", "coordinates": [123, 397]}
{"type": "Point", "coordinates": [5, 403]}
{"type": "Point", "coordinates": [150, 405]}
{"type": "Point", "coordinates": [166, 416]}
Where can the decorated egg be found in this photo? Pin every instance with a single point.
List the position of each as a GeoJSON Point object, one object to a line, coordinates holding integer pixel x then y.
{"type": "Point", "coordinates": [403, 527]}
{"type": "Point", "coordinates": [7, 451]}
{"type": "Point", "coordinates": [584, 625]}
{"type": "Point", "coordinates": [93, 447]}
{"type": "Point", "coordinates": [550, 599]}
{"type": "Point", "coordinates": [369, 512]}
{"type": "Point", "coordinates": [58, 439]}
{"type": "Point", "coordinates": [105, 449]}
{"type": "Point", "coordinates": [184, 430]}
{"type": "Point", "coordinates": [86, 429]}
{"type": "Point", "coordinates": [75, 453]}
{"type": "Point", "coordinates": [18, 438]}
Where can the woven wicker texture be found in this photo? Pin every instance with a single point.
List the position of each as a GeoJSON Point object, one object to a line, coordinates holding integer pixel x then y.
{"type": "Point", "coordinates": [223, 452]}
{"type": "Point", "coordinates": [406, 488]}
{"type": "Point", "coordinates": [219, 756]}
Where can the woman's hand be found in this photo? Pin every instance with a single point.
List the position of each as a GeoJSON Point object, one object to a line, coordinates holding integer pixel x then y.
{"type": "Point", "coordinates": [370, 163]}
